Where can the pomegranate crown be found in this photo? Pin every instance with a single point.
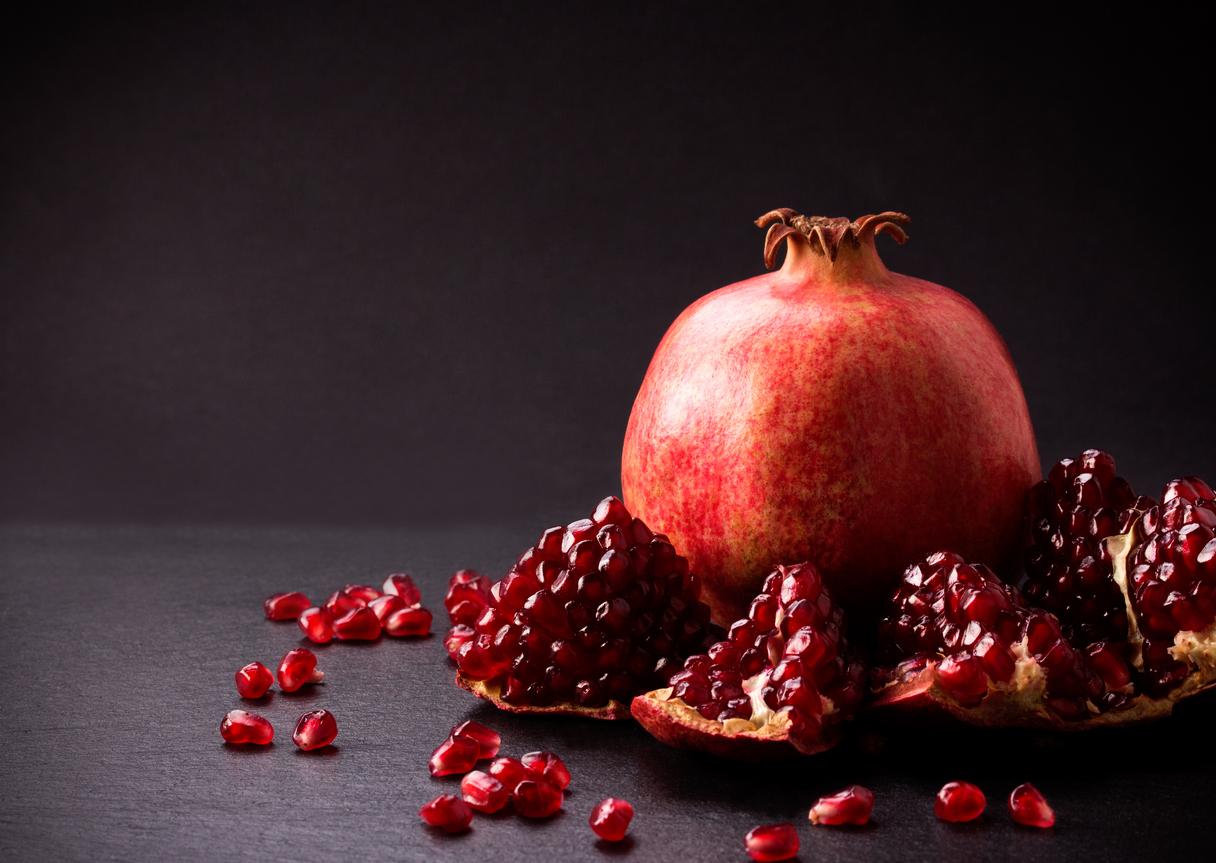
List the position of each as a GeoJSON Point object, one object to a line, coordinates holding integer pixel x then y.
{"type": "Point", "coordinates": [825, 234]}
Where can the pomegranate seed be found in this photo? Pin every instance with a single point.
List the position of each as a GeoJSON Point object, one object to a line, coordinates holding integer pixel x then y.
{"type": "Point", "coordinates": [241, 728]}
{"type": "Point", "coordinates": [285, 606]}
{"type": "Point", "coordinates": [851, 806]}
{"type": "Point", "coordinates": [385, 605]}
{"type": "Point", "coordinates": [1028, 807]}
{"type": "Point", "coordinates": [315, 729]}
{"type": "Point", "coordinates": [317, 625]}
{"type": "Point", "coordinates": [536, 798]}
{"type": "Point", "coordinates": [546, 765]}
{"type": "Point", "coordinates": [610, 819]}
{"type": "Point", "coordinates": [458, 636]}
{"type": "Point", "coordinates": [509, 771]}
{"type": "Point", "coordinates": [483, 792]}
{"type": "Point", "coordinates": [358, 625]}
{"type": "Point", "coordinates": [958, 802]}
{"type": "Point", "coordinates": [254, 680]}
{"type": "Point", "coordinates": [457, 754]}
{"type": "Point", "coordinates": [401, 585]}
{"type": "Point", "coordinates": [340, 602]}
{"type": "Point", "coordinates": [408, 623]}
{"type": "Point", "coordinates": [488, 740]}
{"type": "Point", "coordinates": [447, 812]}
{"type": "Point", "coordinates": [771, 842]}
{"type": "Point", "coordinates": [365, 593]}
{"type": "Point", "coordinates": [297, 668]}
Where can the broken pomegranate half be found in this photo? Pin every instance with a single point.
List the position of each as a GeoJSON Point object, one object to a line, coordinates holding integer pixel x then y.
{"type": "Point", "coordinates": [596, 612]}
{"type": "Point", "coordinates": [783, 678]}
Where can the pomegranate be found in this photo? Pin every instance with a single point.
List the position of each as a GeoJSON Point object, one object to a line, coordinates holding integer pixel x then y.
{"type": "Point", "coordinates": [784, 677]}
{"type": "Point", "coordinates": [458, 754]}
{"type": "Point", "coordinates": [610, 819]}
{"type": "Point", "coordinates": [315, 729]}
{"type": "Point", "coordinates": [536, 798]}
{"type": "Point", "coordinates": [488, 740]}
{"type": "Point", "coordinates": [254, 680]}
{"type": "Point", "coordinates": [241, 728]}
{"type": "Point", "coordinates": [285, 606]}
{"type": "Point", "coordinates": [341, 603]}
{"type": "Point", "coordinates": [959, 802]}
{"type": "Point", "coordinates": [509, 771]}
{"type": "Point", "coordinates": [359, 624]}
{"type": "Point", "coordinates": [484, 792]}
{"type": "Point", "coordinates": [365, 593]}
{"type": "Point", "coordinates": [448, 813]}
{"type": "Point", "coordinates": [408, 623]}
{"type": "Point", "coordinates": [467, 597]}
{"type": "Point", "coordinates": [317, 624]}
{"type": "Point", "coordinates": [1028, 807]}
{"type": "Point", "coordinates": [383, 606]}
{"type": "Point", "coordinates": [593, 614]}
{"type": "Point", "coordinates": [831, 411]}
{"type": "Point", "coordinates": [851, 807]}
{"type": "Point", "coordinates": [401, 585]}
{"type": "Point", "coordinates": [769, 843]}
{"type": "Point", "coordinates": [297, 668]}
{"type": "Point", "coordinates": [458, 636]}
{"type": "Point", "coordinates": [547, 766]}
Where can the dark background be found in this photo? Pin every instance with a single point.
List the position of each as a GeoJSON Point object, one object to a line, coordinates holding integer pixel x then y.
{"type": "Point", "coordinates": [273, 265]}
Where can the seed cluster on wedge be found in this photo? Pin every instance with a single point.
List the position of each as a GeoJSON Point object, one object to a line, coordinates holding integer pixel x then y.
{"type": "Point", "coordinates": [596, 612]}
{"type": "Point", "coordinates": [782, 680]}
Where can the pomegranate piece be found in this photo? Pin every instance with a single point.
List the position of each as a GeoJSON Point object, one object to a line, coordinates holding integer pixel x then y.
{"type": "Point", "coordinates": [958, 802]}
{"type": "Point", "coordinates": [401, 585]}
{"type": "Point", "coordinates": [771, 842]}
{"type": "Point", "coordinates": [509, 771]}
{"type": "Point", "coordinates": [341, 603]}
{"type": "Point", "coordinates": [408, 623]}
{"type": "Point", "coordinates": [365, 593]}
{"type": "Point", "coordinates": [610, 819]}
{"type": "Point", "coordinates": [587, 618]}
{"type": "Point", "coordinates": [458, 636]}
{"type": "Point", "coordinates": [383, 606]}
{"type": "Point", "coordinates": [467, 597]}
{"type": "Point", "coordinates": [488, 740]}
{"type": "Point", "coordinates": [448, 813]}
{"type": "Point", "coordinates": [298, 668]}
{"type": "Point", "coordinates": [315, 729]}
{"type": "Point", "coordinates": [852, 806]}
{"type": "Point", "coordinates": [317, 624]}
{"type": "Point", "coordinates": [484, 792]}
{"type": "Point", "coordinates": [1029, 808]}
{"type": "Point", "coordinates": [358, 625]}
{"type": "Point", "coordinates": [546, 765]}
{"type": "Point", "coordinates": [784, 677]}
{"type": "Point", "coordinates": [285, 606]}
{"type": "Point", "coordinates": [536, 798]}
{"type": "Point", "coordinates": [242, 728]}
{"type": "Point", "coordinates": [254, 680]}
{"type": "Point", "coordinates": [458, 754]}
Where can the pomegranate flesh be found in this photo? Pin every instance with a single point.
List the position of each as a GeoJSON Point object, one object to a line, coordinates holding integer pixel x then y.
{"type": "Point", "coordinates": [800, 415]}
{"type": "Point", "coordinates": [783, 678]}
{"type": "Point", "coordinates": [589, 617]}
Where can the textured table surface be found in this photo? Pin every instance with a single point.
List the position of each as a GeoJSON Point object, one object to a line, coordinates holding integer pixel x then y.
{"type": "Point", "coordinates": [119, 646]}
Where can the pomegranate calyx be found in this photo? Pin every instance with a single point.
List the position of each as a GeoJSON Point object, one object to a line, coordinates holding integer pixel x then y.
{"type": "Point", "coordinates": [825, 235]}
{"type": "Point", "coordinates": [491, 691]}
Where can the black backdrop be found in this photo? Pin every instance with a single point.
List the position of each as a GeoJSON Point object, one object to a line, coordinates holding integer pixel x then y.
{"type": "Point", "coordinates": [366, 263]}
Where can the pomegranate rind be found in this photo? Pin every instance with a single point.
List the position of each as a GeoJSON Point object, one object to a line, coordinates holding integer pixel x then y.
{"type": "Point", "coordinates": [671, 721]}
{"type": "Point", "coordinates": [492, 692]}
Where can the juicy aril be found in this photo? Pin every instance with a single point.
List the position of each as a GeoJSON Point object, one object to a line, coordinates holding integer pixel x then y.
{"type": "Point", "coordinates": [832, 411]}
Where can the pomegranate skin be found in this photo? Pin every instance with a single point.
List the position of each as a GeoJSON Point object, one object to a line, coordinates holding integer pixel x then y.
{"type": "Point", "coordinates": [831, 411]}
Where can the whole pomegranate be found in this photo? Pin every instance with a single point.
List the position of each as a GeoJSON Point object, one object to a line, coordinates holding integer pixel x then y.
{"type": "Point", "coordinates": [832, 411]}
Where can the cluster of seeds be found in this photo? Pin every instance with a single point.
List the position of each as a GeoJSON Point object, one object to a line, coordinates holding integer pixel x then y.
{"type": "Point", "coordinates": [314, 729]}
{"type": "Point", "coordinates": [357, 612]}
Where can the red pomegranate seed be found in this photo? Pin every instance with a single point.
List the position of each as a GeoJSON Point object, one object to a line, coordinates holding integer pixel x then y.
{"type": "Point", "coordinates": [317, 625]}
{"type": "Point", "coordinates": [401, 585]}
{"type": "Point", "coordinates": [546, 765]}
{"type": "Point", "coordinates": [468, 595]}
{"type": "Point", "coordinates": [458, 636]}
{"type": "Point", "coordinates": [1028, 807]}
{"type": "Point", "coordinates": [488, 740]}
{"type": "Point", "coordinates": [447, 812]}
{"type": "Point", "coordinates": [340, 603]}
{"type": "Point", "coordinates": [285, 606]}
{"type": "Point", "coordinates": [509, 771]}
{"type": "Point", "coordinates": [483, 792]}
{"type": "Point", "coordinates": [771, 842]}
{"type": "Point", "coordinates": [315, 729]}
{"type": "Point", "coordinates": [297, 668]}
{"type": "Point", "coordinates": [254, 680]}
{"type": "Point", "coordinates": [358, 625]}
{"type": "Point", "coordinates": [408, 623]}
{"type": "Point", "coordinates": [958, 802]}
{"type": "Point", "coordinates": [457, 754]}
{"type": "Point", "coordinates": [383, 606]}
{"type": "Point", "coordinates": [363, 592]}
{"type": "Point", "coordinates": [242, 728]}
{"type": "Point", "coordinates": [852, 806]}
{"type": "Point", "coordinates": [536, 798]}
{"type": "Point", "coordinates": [610, 819]}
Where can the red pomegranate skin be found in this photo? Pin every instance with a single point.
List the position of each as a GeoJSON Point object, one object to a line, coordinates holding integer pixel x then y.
{"type": "Point", "coordinates": [831, 411]}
